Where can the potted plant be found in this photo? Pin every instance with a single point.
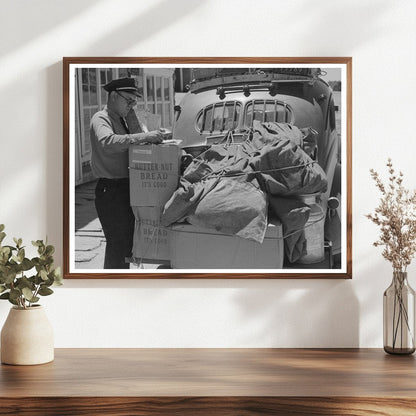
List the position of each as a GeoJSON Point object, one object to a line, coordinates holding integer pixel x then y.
{"type": "Point", "coordinates": [27, 336]}
{"type": "Point", "coordinates": [396, 217]}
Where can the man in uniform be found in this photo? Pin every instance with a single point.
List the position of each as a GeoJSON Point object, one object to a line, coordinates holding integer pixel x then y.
{"type": "Point", "coordinates": [110, 141]}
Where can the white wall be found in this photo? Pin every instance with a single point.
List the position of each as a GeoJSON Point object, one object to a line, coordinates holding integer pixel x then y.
{"type": "Point", "coordinates": [380, 36]}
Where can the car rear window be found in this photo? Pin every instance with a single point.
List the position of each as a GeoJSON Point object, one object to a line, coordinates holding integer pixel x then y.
{"type": "Point", "coordinates": [218, 117]}
{"type": "Point", "coordinates": [267, 111]}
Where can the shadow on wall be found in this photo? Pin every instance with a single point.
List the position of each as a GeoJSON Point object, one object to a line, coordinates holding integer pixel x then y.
{"type": "Point", "coordinates": [306, 15]}
{"type": "Point", "coordinates": [300, 313]}
{"type": "Point", "coordinates": [349, 24]}
{"type": "Point", "coordinates": [224, 313]}
{"type": "Point", "coordinates": [5, 306]}
{"type": "Point", "coordinates": [139, 28]}
{"type": "Point", "coordinates": [44, 17]}
{"type": "Point", "coordinates": [54, 168]}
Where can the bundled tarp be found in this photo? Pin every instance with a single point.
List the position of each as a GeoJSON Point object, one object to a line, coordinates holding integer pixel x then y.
{"type": "Point", "coordinates": [230, 205]}
{"type": "Point", "coordinates": [228, 187]}
{"type": "Point", "coordinates": [269, 132]}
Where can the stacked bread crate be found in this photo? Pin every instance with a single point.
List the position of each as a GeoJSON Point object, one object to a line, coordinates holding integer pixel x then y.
{"type": "Point", "coordinates": [154, 176]}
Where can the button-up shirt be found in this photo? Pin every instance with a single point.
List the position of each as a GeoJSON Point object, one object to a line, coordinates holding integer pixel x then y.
{"type": "Point", "coordinates": [110, 144]}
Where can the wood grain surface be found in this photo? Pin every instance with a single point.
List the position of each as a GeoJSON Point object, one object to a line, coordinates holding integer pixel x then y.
{"type": "Point", "coordinates": [208, 406]}
{"type": "Point", "coordinates": [212, 382]}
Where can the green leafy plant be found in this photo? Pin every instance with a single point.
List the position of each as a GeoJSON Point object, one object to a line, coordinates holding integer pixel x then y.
{"type": "Point", "coordinates": [15, 285]}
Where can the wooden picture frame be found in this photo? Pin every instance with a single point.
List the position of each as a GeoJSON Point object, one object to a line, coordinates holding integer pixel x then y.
{"type": "Point", "coordinates": [274, 87]}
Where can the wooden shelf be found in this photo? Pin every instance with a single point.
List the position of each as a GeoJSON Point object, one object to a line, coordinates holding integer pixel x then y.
{"type": "Point", "coordinates": [212, 382]}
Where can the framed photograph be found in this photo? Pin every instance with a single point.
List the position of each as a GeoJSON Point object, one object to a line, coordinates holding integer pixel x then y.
{"type": "Point", "coordinates": [207, 167]}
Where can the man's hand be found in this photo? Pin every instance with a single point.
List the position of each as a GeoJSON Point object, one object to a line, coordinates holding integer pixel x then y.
{"type": "Point", "coordinates": [154, 137]}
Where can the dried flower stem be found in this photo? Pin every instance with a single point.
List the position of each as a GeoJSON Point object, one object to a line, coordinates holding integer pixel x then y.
{"type": "Point", "coordinates": [396, 216]}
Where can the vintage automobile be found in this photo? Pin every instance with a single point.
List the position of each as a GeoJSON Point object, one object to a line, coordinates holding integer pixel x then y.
{"type": "Point", "coordinates": [221, 101]}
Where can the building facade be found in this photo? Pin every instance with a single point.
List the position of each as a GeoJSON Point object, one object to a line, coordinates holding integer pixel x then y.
{"type": "Point", "coordinates": [156, 86]}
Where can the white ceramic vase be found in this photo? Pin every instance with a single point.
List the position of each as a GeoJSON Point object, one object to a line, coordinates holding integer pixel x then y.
{"type": "Point", "coordinates": [27, 337]}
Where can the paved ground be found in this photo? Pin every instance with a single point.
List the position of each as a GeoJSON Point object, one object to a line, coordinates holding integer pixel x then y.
{"type": "Point", "coordinates": [89, 236]}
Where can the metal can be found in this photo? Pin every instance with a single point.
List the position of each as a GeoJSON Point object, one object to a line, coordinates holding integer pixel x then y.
{"type": "Point", "coordinates": [314, 231]}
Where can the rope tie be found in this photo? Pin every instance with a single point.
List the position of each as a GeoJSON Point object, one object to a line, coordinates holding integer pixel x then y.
{"type": "Point", "coordinates": [223, 172]}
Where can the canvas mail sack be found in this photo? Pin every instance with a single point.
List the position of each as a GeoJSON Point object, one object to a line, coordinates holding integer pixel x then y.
{"type": "Point", "coordinates": [227, 189]}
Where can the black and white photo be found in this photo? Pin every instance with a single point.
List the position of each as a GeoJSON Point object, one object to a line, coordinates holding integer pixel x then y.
{"type": "Point", "coordinates": [214, 167]}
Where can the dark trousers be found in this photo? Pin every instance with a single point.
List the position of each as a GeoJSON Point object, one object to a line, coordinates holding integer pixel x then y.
{"type": "Point", "coordinates": [112, 202]}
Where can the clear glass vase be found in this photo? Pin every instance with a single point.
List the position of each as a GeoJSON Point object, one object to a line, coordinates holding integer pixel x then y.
{"type": "Point", "coordinates": [399, 316]}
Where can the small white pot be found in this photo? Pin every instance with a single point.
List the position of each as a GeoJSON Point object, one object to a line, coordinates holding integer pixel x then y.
{"type": "Point", "coordinates": [27, 337]}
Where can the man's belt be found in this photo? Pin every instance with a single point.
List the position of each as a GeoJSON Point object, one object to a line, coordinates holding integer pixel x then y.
{"type": "Point", "coordinates": [114, 180]}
